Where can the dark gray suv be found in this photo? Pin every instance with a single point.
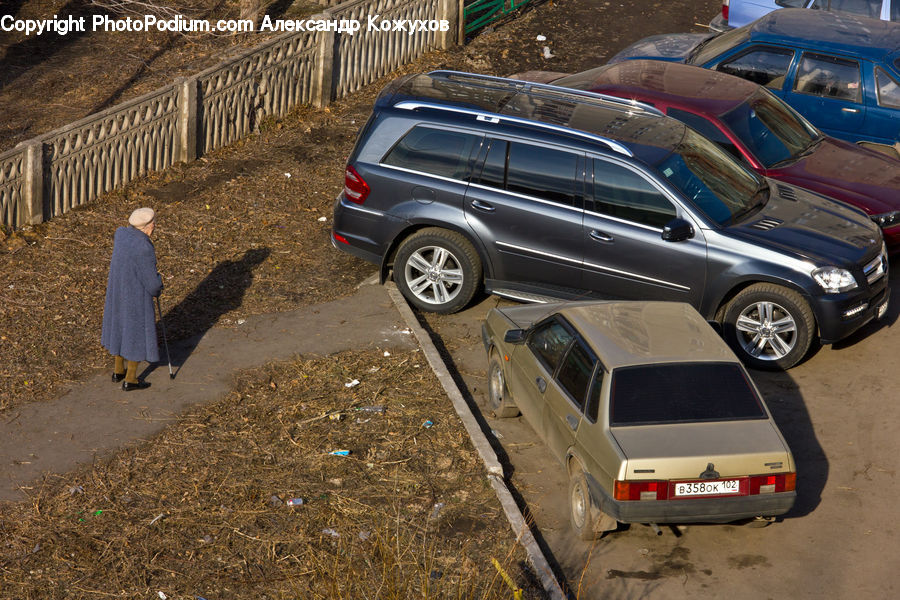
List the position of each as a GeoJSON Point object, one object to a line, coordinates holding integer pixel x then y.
{"type": "Point", "coordinates": [539, 192]}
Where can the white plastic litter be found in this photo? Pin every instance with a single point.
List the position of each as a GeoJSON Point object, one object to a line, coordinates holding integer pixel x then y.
{"type": "Point", "coordinates": [547, 53]}
{"type": "Point", "coordinates": [351, 384]}
{"type": "Point", "coordinates": [541, 38]}
{"type": "Point", "coordinates": [323, 219]}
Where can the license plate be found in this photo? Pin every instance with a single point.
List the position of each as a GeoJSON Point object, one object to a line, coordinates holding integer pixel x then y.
{"type": "Point", "coordinates": [881, 310]}
{"type": "Point", "coordinates": [708, 488]}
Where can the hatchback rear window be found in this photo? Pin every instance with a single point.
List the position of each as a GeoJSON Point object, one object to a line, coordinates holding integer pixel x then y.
{"type": "Point", "coordinates": [682, 393]}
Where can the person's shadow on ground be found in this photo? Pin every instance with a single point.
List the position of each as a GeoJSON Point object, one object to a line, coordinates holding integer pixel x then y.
{"type": "Point", "coordinates": [220, 292]}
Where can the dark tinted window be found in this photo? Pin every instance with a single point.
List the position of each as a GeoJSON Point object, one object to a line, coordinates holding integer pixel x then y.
{"type": "Point", "coordinates": [548, 342]}
{"type": "Point", "coordinates": [895, 14]}
{"type": "Point", "coordinates": [594, 398]}
{"type": "Point", "coordinates": [575, 373]}
{"type": "Point", "coordinates": [866, 8]}
{"type": "Point", "coordinates": [763, 65]}
{"type": "Point", "coordinates": [622, 193]}
{"type": "Point", "coordinates": [435, 151]}
{"type": "Point", "coordinates": [494, 171]}
{"type": "Point", "coordinates": [542, 173]}
{"type": "Point", "coordinates": [888, 89]}
{"type": "Point", "coordinates": [790, 3]}
{"type": "Point", "coordinates": [682, 393]}
{"type": "Point", "coordinates": [828, 76]}
{"type": "Point", "coordinates": [708, 129]}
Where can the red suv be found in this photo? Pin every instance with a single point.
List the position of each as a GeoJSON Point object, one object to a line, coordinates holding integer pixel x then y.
{"type": "Point", "coordinates": [759, 129]}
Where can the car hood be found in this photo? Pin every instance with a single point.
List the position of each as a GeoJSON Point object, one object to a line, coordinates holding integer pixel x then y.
{"type": "Point", "coordinates": [674, 47]}
{"type": "Point", "coordinates": [864, 178]}
{"type": "Point", "coordinates": [684, 450]}
{"type": "Point", "coordinates": [808, 225]}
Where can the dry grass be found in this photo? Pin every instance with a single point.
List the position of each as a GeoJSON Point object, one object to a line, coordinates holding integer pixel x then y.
{"type": "Point", "coordinates": [200, 511]}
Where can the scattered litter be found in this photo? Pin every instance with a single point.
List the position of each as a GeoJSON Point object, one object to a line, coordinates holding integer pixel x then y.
{"type": "Point", "coordinates": [335, 416]}
{"type": "Point", "coordinates": [377, 408]}
{"type": "Point", "coordinates": [295, 502]}
{"type": "Point", "coordinates": [331, 532]}
{"type": "Point", "coordinates": [406, 331]}
{"type": "Point", "coordinates": [340, 453]}
{"type": "Point", "coordinates": [241, 321]}
{"type": "Point", "coordinates": [207, 539]}
{"type": "Point", "coordinates": [541, 38]}
{"type": "Point", "coordinates": [436, 510]}
{"type": "Point", "coordinates": [323, 219]}
{"type": "Point", "coordinates": [364, 535]}
{"type": "Point", "coordinates": [496, 434]}
{"type": "Point", "coordinates": [288, 175]}
{"type": "Point", "coordinates": [275, 501]}
{"type": "Point", "coordinates": [351, 384]}
{"type": "Point", "coordinates": [362, 421]}
{"type": "Point", "coordinates": [386, 353]}
{"type": "Point", "coordinates": [76, 489]}
{"type": "Point", "coordinates": [157, 518]}
{"type": "Point", "coordinates": [547, 53]}
{"type": "Point", "coordinates": [374, 369]}
{"type": "Point", "coordinates": [428, 424]}
{"type": "Point", "coordinates": [162, 595]}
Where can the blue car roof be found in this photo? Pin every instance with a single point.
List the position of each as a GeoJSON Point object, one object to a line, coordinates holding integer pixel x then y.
{"type": "Point", "coordinates": [828, 31]}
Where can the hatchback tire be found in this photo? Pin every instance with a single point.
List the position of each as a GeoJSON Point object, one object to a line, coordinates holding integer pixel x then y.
{"type": "Point", "coordinates": [499, 399]}
{"type": "Point", "coordinates": [769, 327]}
{"type": "Point", "coordinates": [437, 270]}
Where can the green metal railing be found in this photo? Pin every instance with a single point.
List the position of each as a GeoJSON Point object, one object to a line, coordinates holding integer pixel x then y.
{"type": "Point", "coordinates": [481, 13]}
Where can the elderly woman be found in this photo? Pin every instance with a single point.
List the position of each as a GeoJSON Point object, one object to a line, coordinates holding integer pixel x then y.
{"type": "Point", "coordinates": [129, 323]}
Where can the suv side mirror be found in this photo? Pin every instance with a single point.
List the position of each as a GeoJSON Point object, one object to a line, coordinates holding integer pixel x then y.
{"type": "Point", "coordinates": [677, 230]}
{"type": "Point", "coordinates": [514, 336]}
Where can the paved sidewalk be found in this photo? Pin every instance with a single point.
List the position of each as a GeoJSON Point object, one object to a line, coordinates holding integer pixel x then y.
{"type": "Point", "coordinates": [96, 417]}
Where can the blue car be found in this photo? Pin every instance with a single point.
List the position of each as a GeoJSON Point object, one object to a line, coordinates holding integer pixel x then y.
{"type": "Point", "coordinates": [737, 13]}
{"type": "Point", "coordinates": [841, 72]}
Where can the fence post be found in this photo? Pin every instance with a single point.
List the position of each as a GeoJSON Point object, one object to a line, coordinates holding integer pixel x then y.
{"type": "Point", "coordinates": [324, 70]}
{"type": "Point", "coordinates": [449, 12]}
{"type": "Point", "coordinates": [187, 118]}
{"type": "Point", "coordinates": [461, 31]}
{"type": "Point", "coordinates": [31, 211]}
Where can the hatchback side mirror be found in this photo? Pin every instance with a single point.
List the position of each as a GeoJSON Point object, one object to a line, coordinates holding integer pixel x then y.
{"type": "Point", "coordinates": [677, 230]}
{"type": "Point", "coordinates": [514, 336]}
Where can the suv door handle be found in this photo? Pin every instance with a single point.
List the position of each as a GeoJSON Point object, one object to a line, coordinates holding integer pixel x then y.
{"type": "Point", "coordinates": [542, 385]}
{"type": "Point", "coordinates": [572, 420]}
{"type": "Point", "coordinates": [482, 206]}
{"type": "Point", "coordinates": [850, 110]}
{"type": "Point", "coordinates": [600, 236]}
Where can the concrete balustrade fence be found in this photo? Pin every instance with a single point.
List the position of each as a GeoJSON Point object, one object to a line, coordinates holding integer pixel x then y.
{"type": "Point", "coordinates": [70, 166]}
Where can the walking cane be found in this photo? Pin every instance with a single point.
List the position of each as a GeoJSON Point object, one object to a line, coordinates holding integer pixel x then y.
{"type": "Point", "coordinates": [165, 341]}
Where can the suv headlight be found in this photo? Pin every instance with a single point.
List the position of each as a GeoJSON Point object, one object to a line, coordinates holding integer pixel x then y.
{"type": "Point", "coordinates": [834, 280]}
{"type": "Point", "coordinates": [888, 219]}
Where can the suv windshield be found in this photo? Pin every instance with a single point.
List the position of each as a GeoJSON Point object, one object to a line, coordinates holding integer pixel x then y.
{"type": "Point", "coordinates": [682, 393]}
{"type": "Point", "coordinates": [714, 46]}
{"type": "Point", "coordinates": [770, 129]}
{"type": "Point", "coordinates": [712, 180]}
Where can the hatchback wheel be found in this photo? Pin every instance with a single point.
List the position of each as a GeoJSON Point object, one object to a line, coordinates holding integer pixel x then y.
{"type": "Point", "coordinates": [500, 401]}
{"type": "Point", "coordinates": [437, 270]}
{"type": "Point", "coordinates": [769, 327]}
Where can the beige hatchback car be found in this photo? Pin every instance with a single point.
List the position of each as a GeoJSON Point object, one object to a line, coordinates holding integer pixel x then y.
{"type": "Point", "coordinates": [652, 415]}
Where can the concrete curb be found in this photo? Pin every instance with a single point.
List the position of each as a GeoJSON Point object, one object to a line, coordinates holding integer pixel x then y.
{"type": "Point", "coordinates": [482, 446]}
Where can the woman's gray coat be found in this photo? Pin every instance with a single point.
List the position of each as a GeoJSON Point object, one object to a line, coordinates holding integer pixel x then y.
{"type": "Point", "coordinates": [129, 323]}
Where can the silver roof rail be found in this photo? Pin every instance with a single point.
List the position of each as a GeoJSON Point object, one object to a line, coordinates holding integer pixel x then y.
{"type": "Point", "coordinates": [491, 117]}
{"type": "Point", "coordinates": [520, 85]}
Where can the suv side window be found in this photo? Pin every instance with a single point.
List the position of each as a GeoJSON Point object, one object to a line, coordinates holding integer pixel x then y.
{"type": "Point", "coordinates": [575, 373]}
{"type": "Point", "coordinates": [622, 193]}
{"type": "Point", "coordinates": [888, 89]}
{"type": "Point", "coordinates": [828, 76]}
{"type": "Point", "coordinates": [866, 8]}
{"type": "Point", "coordinates": [763, 65]}
{"type": "Point", "coordinates": [549, 342]}
{"type": "Point", "coordinates": [434, 151]}
{"type": "Point", "coordinates": [709, 130]}
{"type": "Point", "coordinates": [543, 173]}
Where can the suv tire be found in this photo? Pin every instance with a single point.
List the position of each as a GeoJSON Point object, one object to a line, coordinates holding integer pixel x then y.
{"type": "Point", "coordinates": [437, 270]}
{"type": "Point", "coordinates": [499, 399]}
{"type": "Point", "coordinates": [769, 327]}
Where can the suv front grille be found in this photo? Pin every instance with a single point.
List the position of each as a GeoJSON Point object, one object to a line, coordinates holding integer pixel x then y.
{"type": "Point", "coordinates": [876, 269]}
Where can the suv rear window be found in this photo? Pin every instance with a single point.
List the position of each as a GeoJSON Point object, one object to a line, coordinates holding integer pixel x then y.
{"type": "Point", "coordinates": [434, 151]}
{"type": "Point", "coordinates": [682, 393]}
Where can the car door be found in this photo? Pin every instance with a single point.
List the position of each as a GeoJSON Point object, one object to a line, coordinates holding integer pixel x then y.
{"type": "Point", "coordinates": [565, 397]}
{"type": "Point", "coordinates": [525, 203]}
{"type": "Point", "coordinates": [883, 106]}
{"type": "Point", "coordinates": [624, 253]}
{"type": "Point", "coordinates": [828, 91]}
{"type": "Point", "coordinates": [533, 365]}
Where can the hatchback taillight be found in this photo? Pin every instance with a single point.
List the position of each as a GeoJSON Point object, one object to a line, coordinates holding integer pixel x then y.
{"type": "Point", "coordinates": [725, 9]}
{"type": "Point", "coordinates": [770, 484]}
{"type": "Point", "coordinates": [641, 490]}
{"type": "Point", "coordinates": [355, 188]}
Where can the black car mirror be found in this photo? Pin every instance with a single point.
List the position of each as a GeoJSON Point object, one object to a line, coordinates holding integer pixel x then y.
{"type": "Point", "coordinates": [514, 336]}
{"type": "Point", "coordinates": [677, 230]}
